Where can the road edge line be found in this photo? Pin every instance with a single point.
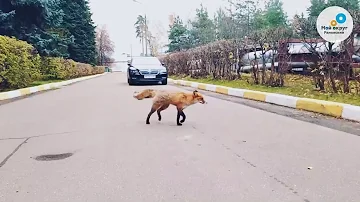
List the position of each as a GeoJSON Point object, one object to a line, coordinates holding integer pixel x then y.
{"type": "Point", "coordinates": [334, 109]}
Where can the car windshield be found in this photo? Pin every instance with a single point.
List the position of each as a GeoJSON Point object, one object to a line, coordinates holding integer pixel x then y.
{"type": "Point", "coordinates": [146, 61]}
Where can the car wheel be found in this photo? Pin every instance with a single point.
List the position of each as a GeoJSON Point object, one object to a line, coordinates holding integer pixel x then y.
{"type": "Point", "coordinates": [130, 82]}
{"type": "Point", "coordinates": [164, 82]}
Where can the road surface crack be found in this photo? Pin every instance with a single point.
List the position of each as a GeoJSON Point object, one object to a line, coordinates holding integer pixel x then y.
{"type": "Point", "coordinates": [35, 136]}
{"type": "Point", "coordinates": [25, 141]}
{"type": "Point", "coordinates": [292, 190]}
{"type": "Point", "coordinates": [12, 153]}
{"type": "Point", "coordinates": [273, 177]}
{"type": "Point", "coordinates": [265, 173]}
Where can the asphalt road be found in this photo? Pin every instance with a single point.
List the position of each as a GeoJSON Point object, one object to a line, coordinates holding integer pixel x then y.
{"type": "Point", "coordinates": [225, 151]}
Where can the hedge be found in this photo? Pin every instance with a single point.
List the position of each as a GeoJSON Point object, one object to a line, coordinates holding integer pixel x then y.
{"type": "Point", "coordinates": [21, 65]}
{"type": "Point", "coordinates": [210, 59]}
{"type": "Point", "coordinates": [60, 68]}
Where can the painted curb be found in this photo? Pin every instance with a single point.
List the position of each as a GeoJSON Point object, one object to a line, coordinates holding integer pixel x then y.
{"type": "Point", "coordinates": [335, 109]}
{"type": "Point", "coordinates": [31, 90]}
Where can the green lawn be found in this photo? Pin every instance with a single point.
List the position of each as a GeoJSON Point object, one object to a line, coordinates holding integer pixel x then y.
{"type": "Point", "coordinates": [38, 83]}
{"type": "Point", "coordinates": [295, 85]}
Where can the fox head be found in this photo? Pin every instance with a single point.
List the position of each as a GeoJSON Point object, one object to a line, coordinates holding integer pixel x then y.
{"type": "Point", "coordinates": [136, 95]}
{"type": "Point", "coordinates": [198, 97]}
{"type": "Point", "coordinates": [147, 93]}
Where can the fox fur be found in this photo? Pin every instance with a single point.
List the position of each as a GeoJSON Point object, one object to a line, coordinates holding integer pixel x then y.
{"type": "Point", "coordinates": [163, 99]}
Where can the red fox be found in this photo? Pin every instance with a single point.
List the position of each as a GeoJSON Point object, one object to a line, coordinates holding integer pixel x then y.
{"type": "Point", "coordinates": [162, 100]}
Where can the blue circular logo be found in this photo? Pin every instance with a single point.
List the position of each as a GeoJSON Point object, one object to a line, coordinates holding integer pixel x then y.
{"type": "Point", "coordinates": [340, 18]}
{"type": "Point", "coordinates": [334, 24]}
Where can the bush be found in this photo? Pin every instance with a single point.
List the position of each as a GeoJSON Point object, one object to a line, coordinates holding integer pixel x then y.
{"type": "Point", "coordinates": [53, 68]}
{"type": "Point", "coordinates": [98, 70]}
{"type": "Point", "coordinates": [83, 69]}
{"type": "Point", "coordinates": [59, 69]}
{"type": "Point", "coordinates": [19, 63]}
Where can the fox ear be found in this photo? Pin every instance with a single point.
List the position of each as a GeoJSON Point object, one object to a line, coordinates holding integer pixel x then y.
{"type": "Point", "coordinates": [195, 92]}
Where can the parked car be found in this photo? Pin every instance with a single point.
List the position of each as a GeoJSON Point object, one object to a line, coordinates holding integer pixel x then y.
{"type": "Point", "coordinates": [146, 69]}
{"type": "Point", "coordinates": [300, 57]}
{"type": "Point", "coordinates": [249, 58]}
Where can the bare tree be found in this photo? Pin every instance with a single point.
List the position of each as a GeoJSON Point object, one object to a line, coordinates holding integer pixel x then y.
{"type": "Point", "coordinates": [105, 47]}
{"type": "Point", "coordinates": [153, 45]}
{"type": "Point", "coordinates": [277, 37]}
{"type": "Point", "coordinates": [154, 39]}
{"type": "Point", "coordinates": [332, 62]}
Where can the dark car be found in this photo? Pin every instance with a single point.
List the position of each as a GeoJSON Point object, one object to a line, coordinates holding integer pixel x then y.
{"type": "Point", "coordinates": [146, 70]}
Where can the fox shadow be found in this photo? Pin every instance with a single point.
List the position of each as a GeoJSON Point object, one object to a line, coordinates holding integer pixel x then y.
{"type": "Point", "coordinates": [166, 123]}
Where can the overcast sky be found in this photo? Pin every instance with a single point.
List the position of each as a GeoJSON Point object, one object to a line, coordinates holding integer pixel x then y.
{"type": "Point", "coordinates": [120, 15]}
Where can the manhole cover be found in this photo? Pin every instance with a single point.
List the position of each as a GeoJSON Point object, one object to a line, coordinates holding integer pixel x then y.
{"type": "Point", "coordinates": [53, 157]}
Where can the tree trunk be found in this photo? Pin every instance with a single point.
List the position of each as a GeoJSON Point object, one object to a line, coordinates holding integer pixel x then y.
{"type": "Point", "coordinates": [330, 68]}
{"type": "Point", "coordinates": [271, 80]}
{"type": "Point", "coordinates": [142, 43]}
{"type": "Point", "coordinates": [347, 78]}
{"type": "Point", "coordinates": [321, 82]}
{"type": "Point", "coordinates": [332, 79]}
{"type": "Point", "coordinates": [146, 48]}
{"type": "Point", "coordinates": [263, 67]}
{"type": "Point", "coordinates": [146, 37]}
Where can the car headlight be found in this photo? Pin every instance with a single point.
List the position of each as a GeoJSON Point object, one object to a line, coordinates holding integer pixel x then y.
{"type": "Point", "coordinates": [163, 71]}
{"type": "Point", "coordinates": [134, 71]}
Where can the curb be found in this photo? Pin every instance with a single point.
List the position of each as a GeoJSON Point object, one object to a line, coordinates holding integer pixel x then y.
{"type": "Point", "coordinates": [335, 109]}
{"type": "Point", "coordinates": [30, 90]}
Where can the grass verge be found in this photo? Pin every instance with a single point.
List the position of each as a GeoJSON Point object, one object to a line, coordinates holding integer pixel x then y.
{"type": "Point", "coordinates": [38, 83]}
{"type": "Point", "coordinates": [295, 85]}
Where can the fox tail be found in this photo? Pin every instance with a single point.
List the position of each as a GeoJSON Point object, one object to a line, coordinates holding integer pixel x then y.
{"type": "Point", "coordinates": [147, 93]}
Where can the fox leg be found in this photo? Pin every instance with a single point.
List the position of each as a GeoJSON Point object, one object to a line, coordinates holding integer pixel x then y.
{"type": "Point", "coordinates": [183, 117]}
{"type": "Point", "coordinates": [178, 118]}
{"type": "Point", "coordinates": [162, 108]}
{"type": "Point", "coordinates": [152, 110]}
{"type": "Point", "coordinates": [180, 113]}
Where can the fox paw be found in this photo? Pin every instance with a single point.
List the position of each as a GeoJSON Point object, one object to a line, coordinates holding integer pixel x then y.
{"type": "Point", "coordinates": [179, 124]}
{"type": "Point", "coordinates": [182, 121]}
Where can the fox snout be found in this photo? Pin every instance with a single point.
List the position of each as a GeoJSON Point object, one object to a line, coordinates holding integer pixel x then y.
{"type": "Point", "coordinates": [202, 102]}
{"type": "Point", "coordinates": [135, 94]}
